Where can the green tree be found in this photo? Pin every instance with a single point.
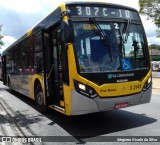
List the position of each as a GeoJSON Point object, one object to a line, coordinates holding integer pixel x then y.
{"type": "Point", "coordinates": [158, 31]}
{"type": "Point", "coordinates": [154, 46]}
{"type": "Point", "coordinates": [151, 9]}
{"type": "Point", "coordinates": [1, 36]}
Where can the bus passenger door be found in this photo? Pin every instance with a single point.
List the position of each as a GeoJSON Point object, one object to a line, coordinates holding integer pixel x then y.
{"type": "Point", "coordinates": [48, 68]}
{"type": "Point", "coordinates": [57, 58]}
{"type": "Point", "coordinates": [53, 67]}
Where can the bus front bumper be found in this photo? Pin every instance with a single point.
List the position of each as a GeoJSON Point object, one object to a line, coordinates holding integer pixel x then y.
{"type": "Point", "coordinates": [84, 105]}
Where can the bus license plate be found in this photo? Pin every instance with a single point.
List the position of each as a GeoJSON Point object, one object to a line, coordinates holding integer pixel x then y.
{"type": "Point", "coordinates": [121, 105]}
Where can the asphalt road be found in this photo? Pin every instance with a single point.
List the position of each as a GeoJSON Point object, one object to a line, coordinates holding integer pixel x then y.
{"type": "Point", "coordinates": [19, 117]}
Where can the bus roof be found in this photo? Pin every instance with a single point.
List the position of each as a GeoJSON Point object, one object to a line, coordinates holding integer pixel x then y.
{"type": "Point", "coordinates": [52, 19]}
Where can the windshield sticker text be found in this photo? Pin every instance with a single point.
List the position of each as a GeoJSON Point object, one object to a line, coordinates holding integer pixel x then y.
{"type": "Point", "coordinates": [111, 76]}
{"type": "Point", "coordinates": [89, 27]}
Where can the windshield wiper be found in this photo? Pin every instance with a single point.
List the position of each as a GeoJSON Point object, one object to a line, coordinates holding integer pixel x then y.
{"type": "Point", "coordinates": [103, 35]}
{"type": "Point", "coordinates": [125, 34]}
{"type": "Point", "coordinates": [126, 31]}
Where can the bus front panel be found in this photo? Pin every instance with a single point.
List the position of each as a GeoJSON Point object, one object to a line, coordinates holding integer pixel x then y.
{"type": "Point", "coordinates": [110, 68]}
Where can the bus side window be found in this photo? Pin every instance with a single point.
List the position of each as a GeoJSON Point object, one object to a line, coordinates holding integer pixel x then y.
{"type": "Point", "coordinates": [38, 61]}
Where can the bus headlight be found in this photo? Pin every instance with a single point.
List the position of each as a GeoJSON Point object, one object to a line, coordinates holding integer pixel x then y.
{"type": "Point", "coordinates": [149, 80]}
{"type": "Point", "coordinates": [82, 87]}
{"type": "Point", "coordinates": [85, 90]}
{"type": "Point", "coordinates": [148, 83]}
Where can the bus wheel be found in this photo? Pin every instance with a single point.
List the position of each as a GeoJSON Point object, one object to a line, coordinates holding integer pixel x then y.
{"type": "Point", "coordinates": [40, 99]}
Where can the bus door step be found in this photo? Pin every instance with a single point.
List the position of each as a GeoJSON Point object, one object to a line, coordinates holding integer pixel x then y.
{"type": "Point", "coordinates": [58, 108]}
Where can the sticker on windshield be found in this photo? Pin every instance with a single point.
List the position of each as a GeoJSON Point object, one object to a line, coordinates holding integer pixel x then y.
{"type": "Point", "coordinates": [126, 63]}
{"type": "Point", "coordinates": [105, 27]}
{"type": "Point", "coordinates": [89, 27]}
{"type": "Point", "coordinates": [93, 27]}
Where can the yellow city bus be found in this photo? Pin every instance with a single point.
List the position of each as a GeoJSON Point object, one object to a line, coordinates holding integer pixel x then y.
{"type": "Point", "coordinates": [84, 57]}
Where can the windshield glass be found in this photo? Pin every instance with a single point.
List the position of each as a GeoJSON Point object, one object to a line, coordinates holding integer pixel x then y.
{"type": "Point", "coordinates": [132, 46]}
{"type": "Point", "coordinates": [93, 55]}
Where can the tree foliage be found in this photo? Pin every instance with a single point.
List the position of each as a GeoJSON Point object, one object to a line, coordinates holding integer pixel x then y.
{"type": "Point", "coordinates": [154, 46]}
{"type": "Point", "coordinates": [151, 9]}
{"type": "Point", "coordinates": [158, 31]}
{"type": "Point", "coordinates": [1, 36]}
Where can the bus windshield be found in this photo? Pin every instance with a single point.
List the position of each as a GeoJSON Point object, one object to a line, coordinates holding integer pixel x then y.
{"type": "Point", "coordinates": [125, 51]}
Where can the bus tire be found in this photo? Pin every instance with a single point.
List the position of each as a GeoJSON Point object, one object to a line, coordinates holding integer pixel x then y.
{"type": "Point", "coordinates": [39, 97]}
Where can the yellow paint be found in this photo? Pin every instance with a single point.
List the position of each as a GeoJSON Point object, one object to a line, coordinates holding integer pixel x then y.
{"type": "Point", "coordinates": [31, 84]}
{"type": "Point", "coordinates": [67, 98]}
{"type": "Point", "coordinates": [62, 103]}
{"type": "Point", "coordinates": [118, 89]}
{"type": "Point", "coordinates": [29, 32]}
{"type": "Point", "coordinates": [63, 8]}
{"type": "Point", "coordinates": [72, 73]}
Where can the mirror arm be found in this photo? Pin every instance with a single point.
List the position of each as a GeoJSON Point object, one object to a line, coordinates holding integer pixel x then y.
{"type": "Point", "coordinates": [65, 13]}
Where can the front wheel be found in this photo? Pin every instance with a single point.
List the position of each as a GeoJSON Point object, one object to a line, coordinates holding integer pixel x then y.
{"type": "Point", "coordinates": [39, 97]}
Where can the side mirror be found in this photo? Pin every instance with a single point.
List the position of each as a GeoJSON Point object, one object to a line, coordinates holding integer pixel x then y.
{"type": "Point", "coordinates": [67, 31]}
{"type": "Point", "coordinates": [67, 27]}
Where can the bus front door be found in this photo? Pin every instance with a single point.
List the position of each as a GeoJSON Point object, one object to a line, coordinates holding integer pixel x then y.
{"type": "Point", "coordinates": [53, 68]}
{"type": "Point", "coordinates": [57, 59]}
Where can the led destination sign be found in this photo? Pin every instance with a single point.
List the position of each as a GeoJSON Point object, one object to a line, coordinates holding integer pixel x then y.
{"type": "Point", "coordinates": [108, 12]}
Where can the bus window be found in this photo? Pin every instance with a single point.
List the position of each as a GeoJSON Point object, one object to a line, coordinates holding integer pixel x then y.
{"type": "Point", "coordinates": [133, 47]}
{"type": "Point", "coordinates": [92, 53]}
{"type": "Point", "coordinates": [38, 61]}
